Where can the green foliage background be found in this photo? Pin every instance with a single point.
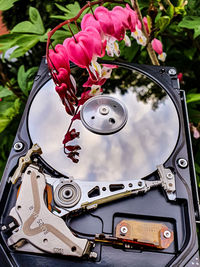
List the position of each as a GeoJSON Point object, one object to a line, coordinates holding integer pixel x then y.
{"type": "Point", "coordinates": [173, 22]}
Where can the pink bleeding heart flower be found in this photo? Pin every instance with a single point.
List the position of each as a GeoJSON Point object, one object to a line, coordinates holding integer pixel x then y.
{"type": "Point", "coordinates": [66, 98]}
{"type": "Point", "coordinates": [103, 16]}
{"type": "Point", "coordinates": [132, 18]}
{"type": "Point", "coordinates": [80, 49]}
{"type": "Point", "coordinates": [73, 148]}
{"type": "Point", "coordinates": [106, 73]}
{"type": "Point", "coordinates": [99, 45]}
{"type": "Point", "coordinates": [62, 76]}
{"type": "Point", "coordinates": [146, 24]}
{"type": "Point", "coordinates": [1, 99]}
{"type": "Point", "coordinates": [158, 48]}
{"type": "Point", "coordinates": [58, 58]}
{"type": "Point", "coordinates": [72, 155]}
{"type": "Point", "coordinates": [119, 29]}
{"type": "Point", "coordinates": [180, 76]}
{"type": "Point", "coordinates": [90, 21]}
{"type": "Point", "coordinates": [71, 135]}
{"type": "Point", "coordinates": [195, 131]}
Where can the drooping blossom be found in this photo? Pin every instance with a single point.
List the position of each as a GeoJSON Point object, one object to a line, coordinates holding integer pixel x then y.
{"type": "Point", "coordinates": [80, 48]}
{"type": "Point", "coordinates": [95, 90]}
{"type": "Point", "coordinates": [65, 83]}
{"type": "Point", "coordinates": [71, 135]}
{"type": "Point", "coordinates": [146, 25]}
{"type": "Point", "coordinates": [104, 17]}
{"type": "Point", "coordinates": [180, 76]}
{"type": "Point", "coordinates": [195, 131]}
{"type": "Point", "coordinates": [158, 48]}
{"type": "Point", "coordinates": [105, 74]}
{"type": "Point", "coordinates": [58, 58]}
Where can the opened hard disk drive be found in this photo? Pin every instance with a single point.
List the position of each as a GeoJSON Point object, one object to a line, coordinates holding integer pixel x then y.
{"type": "Point", "coordinates": [119, 190]}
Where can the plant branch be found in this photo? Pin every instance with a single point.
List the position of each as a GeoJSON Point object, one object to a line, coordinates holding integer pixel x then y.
{"type": "Point", "coordinates": [150, 50]}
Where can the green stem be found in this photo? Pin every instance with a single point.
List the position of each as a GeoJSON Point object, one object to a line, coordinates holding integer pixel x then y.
{"type": "Point", "coordinates": [150, 50]}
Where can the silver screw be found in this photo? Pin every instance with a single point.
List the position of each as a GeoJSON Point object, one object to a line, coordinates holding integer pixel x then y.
{"type": "Point", "coordinates": [18, 146]}
{"type": "Point", "coordinates": [169, 175]}
{"type": "Point", "coordinates": [182, 163]}
{"type": "Point", "coordinates": [167, 234]}
{"type": "Point", "coordinates": [123, 230]}
{"type": "Point", "coordinates": [172, 72]}
{"type": "Point", "coordinates": [104, 110]}
{"type": "Point", "coordinates": [93, 255]}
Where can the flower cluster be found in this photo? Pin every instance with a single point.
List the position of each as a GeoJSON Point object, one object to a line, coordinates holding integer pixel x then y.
{"type": "Point", "coordinates": [100, 33]}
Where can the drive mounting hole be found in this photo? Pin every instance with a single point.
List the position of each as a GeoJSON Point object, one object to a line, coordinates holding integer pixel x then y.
{"type": "Point", "coordinates": [73, 249]}
{"type": "Point", "coordinates": [111, 120]}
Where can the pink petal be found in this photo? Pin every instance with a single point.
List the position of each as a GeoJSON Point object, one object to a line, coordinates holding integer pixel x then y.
{"type": "Point", "coordinates": [73, 148]}
{"type": "Point", "coordinates": [102, 14]}
{"type": "Point", "coordinates": [110, 66]}
{"type": "Point", "coordinates": [146, 24]}
{"type": "Point", "coordinates": [91, 82]}
{"type": "Point", "coordinates": [77, 116]}
{"type": "Point", "coordinates": [72, 156]}
{"type": "Point", "coordinates": [84, 97]}
{"type": "Point", "coordinates": [180, 76]}
{"type": "Point", "coordinates": [71, 135]}
{"type": "Point", "coordinates": [132, 18]}
{"type": "Point", "coordinates": [61, 90]}
{"type": "Point", "coordinates": [62, 76]}
{"type": "Point", "coordinates": [123, 15]}
{"type": "Point", "coordinates": [80, 52]}
{"type": "Point", "coordinates": [157, 46]}
{"type": "Point", "coordinates": [89, 21]}
{"type": "Point", "coordinates": [98, 46]}
{"type": "Point", "coordinates": [119, 29]}
{"type": "Point", "coordinates": [59, 58]}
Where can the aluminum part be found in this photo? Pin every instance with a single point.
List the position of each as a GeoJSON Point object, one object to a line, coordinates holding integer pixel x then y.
{"type": "Point", "coordinates": [38, 225]}
{"type": "Point", "coordinates": [104, 114]}
{"type": "Point", "coordinates": [67, 194]}
{"type": "Point", "coordinates": [24, 162]}
{"type": "Point", "coordinates": [168, 181]}
{"type": "Point", "coordinates": [128, 188]}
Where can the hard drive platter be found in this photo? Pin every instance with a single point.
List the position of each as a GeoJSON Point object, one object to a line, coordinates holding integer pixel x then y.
{"type": "Point", "coordinates": [147, 140]}
{"type": "Point", "coordinates": [129, 197]}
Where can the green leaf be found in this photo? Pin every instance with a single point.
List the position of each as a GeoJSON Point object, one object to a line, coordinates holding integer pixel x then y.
{"type": "Point", "coordinates": [193, 98]}
{"type": "Point", "coordinates": [58, 17]}
{"type": "Point", "coordinates": [8, 40]}
{"type": "Point", "coordinates": [6, 4]}
{"type": "Point", "coordinates": [170, 11]}
{"type": "Point", "coordinates": [191, 22]}
{"type": "Point", "coordinates": [25, 27]}
{"type": "Point", "coordinates": [5, 92]}
{"type": "Point", "coordinates": [61, 8]}
{"type": "Point", "coordinates": [9, 114]}
{"type": "Point", "coordinates": [4, 121]}
{"type": "Point", "coordinates": [25, 43]}
{"type": "Point", "coordinates": [35, 25]}
{"type": "Point", "coordinates": [36, 20]}
{"type": "Point", "coordinates": [70, 11]}
{"type": "Point", "coordinates": [162, 23]}
{"type": "Point", "coordinates": [24, 77]}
